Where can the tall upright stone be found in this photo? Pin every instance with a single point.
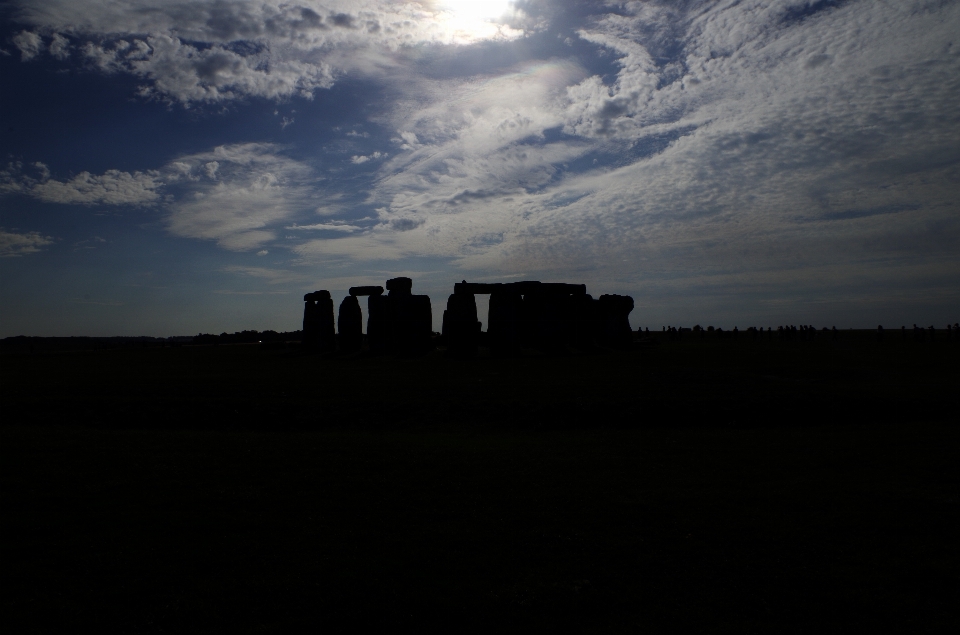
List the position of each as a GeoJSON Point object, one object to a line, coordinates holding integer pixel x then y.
{"type": "Point", "coordinates": [410, 327]}
{"type": "Point", "coordinates": [310, 329]}
{"type": "Point", "coordinates": [527, 313]}
{"type": "Point", "coordinates": [378, 323]}
{"type": "Point", "coordinates": [418, 324]}
{"type": "Point", "coordinates": [400, 286]}
{"type": "Point", "coordinates": [319, 332]}
{"type": "Point", "coordinates": [556, 325]}
{"type": "Point", "coordinates": [368, 290]}
{"type": "Point", "coordinates": [614, 320]}
{"type": "Point", "coordinates": [549, 314]}
{"type": "Point", "coordinates": [350, 324]}
{"type": "Point", "coordinates": [503, 321]}
{"type": "Point", "coordinates": [375, 315]}
{"type": "Point", "coordinates": [461, 329]}
{"type": "Point", "coordinates": [399, 322]}
{"type": "Point", "coordinates": [583, 321]}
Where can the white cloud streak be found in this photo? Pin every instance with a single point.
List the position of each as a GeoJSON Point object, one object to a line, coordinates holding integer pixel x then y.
{"type": "Point", "coordinates": [270, 276]}
{"type": "Point", "coordinates": [213, 51]}
{"type": "Point", "coordinates": [113, 187]}
{"type": "Point", "coordinates": [770, 142]}
{"type": "Point", "coordinates": [30, 44]}
{"type": "Point", "coordinates": [237, 195]}
{"type": "Point", "coordinates": [733, 137]}
{"type": "Point", "coordinates": [254, 191]}
{"type": "Point", "coordinates": [374, 156]}
{"type": "Point", "coordinates": [15, 244]}
{"type": "Point", "coordinates": [333, 227]}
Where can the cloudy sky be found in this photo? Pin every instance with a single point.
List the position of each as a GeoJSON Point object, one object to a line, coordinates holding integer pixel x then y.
{"type": "Point", "coordinates": [174, 167]}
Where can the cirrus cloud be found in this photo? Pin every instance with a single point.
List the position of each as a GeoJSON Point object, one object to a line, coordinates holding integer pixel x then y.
{"type": "Point", "coordinates": [214, 51]}
{"type": "Point", "coordinates": [113, 187]}
{"type": "Point", "coordinates": [237, 195]}
{"type": "Point", "coordinates": [14, 244]}
{"type": "Point", "coordinates": [739, 142]}
{"type": "Point", "coordinates": [734, 136]}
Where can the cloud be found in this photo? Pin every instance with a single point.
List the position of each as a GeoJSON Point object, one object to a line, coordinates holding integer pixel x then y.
{"type": "Point", "coordinates": [256, 189]}
{"type": "Point", "coordinates": [376, 245]}
{"type": "Point", "coordinates": [468, 153]}
{"type": "Point", "coordinates": [14, 244]}
{"type": "Point", "coordinates": [733, 137]}
{"type": "Point", "coordinates": [89, 243]}
{"type": "Point", "coordinates": [702, 141]}
{"type": "Point", "coordinates": [333, 227]}
{"type": "Point", "coordinates": [97, 302]}
{"type": "Point", "coordinates": [357, 160]}
{"type": "Point", "coordinates": [229, 292]}
{"type": "Point", "coordinates": [113, 187]}
{"type": "Point", "coordinates": [30, 44]}
{"type": "Point", "coordinates": [406, 224]}
{"type": "Point", "coordinates": [271, 276]}
{"type": "Point", "coordinates": [237, 195]}
{"type": "Point", "coordinates": [213, 51]}
{"type": "Point", "coordinates": [59, 47]}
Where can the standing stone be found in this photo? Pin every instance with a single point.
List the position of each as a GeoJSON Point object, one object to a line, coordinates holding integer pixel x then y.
{"type": "Point", "coordinates": [545, 314]}
{"type": "Point", "coordinates": [461, 329]}
{"type": "Point", "coordinates": [398, 322]}
{"type": "Point", "coordinates": [350, 324]}
{"type": "Point", "coordinates": [369, 290]}
{"type": "Point", "coordinates": [503, 321]}
{"type": "Point", "coordinates": [399, 286]}
{"type": "Point", "coordinates": [378, 323]}
{"type": "Point", "coordinates": [398, 294]}
{"type": "Point", "coordinates": [310, 330]}
{"type": "Point", "coordinates": [585, 323]}
{"type": "Point", "coordinates": [319, 332]}
{"type": "Point", "coordinates": [527, 313]}
{"type": "Point", "coordinates": [614, 314]}
{"type": "Point", "coordinates": [411, 319]}
{"type": "Point", "coordinates": [375, 316]}
{"type": "Point", "coordinates": [420, 323]}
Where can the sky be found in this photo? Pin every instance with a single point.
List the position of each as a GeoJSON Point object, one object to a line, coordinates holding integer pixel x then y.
{"type": "Point", "coordinates": [170, 168]}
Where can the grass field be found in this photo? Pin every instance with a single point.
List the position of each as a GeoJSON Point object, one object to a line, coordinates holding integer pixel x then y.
{"type": "Point", "coordinates": [703, 485]}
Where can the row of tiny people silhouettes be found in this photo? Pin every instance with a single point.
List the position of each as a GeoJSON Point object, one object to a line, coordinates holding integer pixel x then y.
{"type": "Point", "coordinates": [805, 331]}
{"type": "Point", "coordinates": [920, 334]}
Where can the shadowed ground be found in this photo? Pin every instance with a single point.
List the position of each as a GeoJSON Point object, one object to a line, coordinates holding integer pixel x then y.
{"type": "Point", "coordinates": [702, 485]}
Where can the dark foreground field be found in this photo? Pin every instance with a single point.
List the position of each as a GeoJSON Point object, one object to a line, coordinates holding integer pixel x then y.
{"type": "Point", "coordinates": [697, 486]}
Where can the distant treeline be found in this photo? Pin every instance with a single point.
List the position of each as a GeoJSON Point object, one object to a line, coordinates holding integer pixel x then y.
{"type": "Point", "coordinates": [25, 344]}
{"type": "Point", "coordinates": [247, 337]}
{"type": "Point", "coordinates": [642, 337]}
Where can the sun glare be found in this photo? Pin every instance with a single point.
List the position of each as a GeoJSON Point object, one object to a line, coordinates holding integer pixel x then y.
{"type": "Point", "coordinates": [471, 20]}
{"type": "Point", "coordinates": [476, 9]}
